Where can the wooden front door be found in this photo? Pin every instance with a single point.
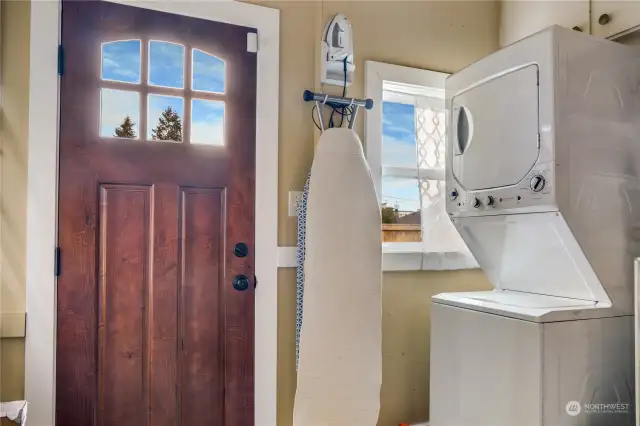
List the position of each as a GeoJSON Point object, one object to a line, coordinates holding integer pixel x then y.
{"type": "Point", "coordinates": [156, 220]}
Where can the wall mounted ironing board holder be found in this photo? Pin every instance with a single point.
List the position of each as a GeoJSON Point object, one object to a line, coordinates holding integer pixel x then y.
{"type": "Point", "coordinates": [322, 99]}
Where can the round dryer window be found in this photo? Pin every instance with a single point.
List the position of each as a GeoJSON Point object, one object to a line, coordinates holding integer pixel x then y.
{"type": "Point", "coordinates": [494, 130]}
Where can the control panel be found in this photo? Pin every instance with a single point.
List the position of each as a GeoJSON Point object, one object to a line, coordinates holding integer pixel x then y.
{"type": "Point", "coordinates": [534, 190]}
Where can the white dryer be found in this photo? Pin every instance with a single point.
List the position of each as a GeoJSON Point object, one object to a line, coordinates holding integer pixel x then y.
{"type": "Point", "coordinates": [543, 182]}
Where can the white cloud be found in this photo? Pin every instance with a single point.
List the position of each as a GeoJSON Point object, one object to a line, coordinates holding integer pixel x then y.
{"type": "Point", "coordinates": [207, 132]}
{"type": "Point", "coordinates": [208, 71]}
{"type": "Point", "coordinates": [129, 71]}
{"type": "Point", "coordinates": [208, 122]}
{"type": "Point", "coordinates": [166, 65]}
{"type": "Point", "coordinates": [208, 64]}
{"type": "Point", "coordinates": [121, 60]}
{"type": "Point", "coordinates": [398, 153]}
{"type": "Point", "coordinates": [167, 51]}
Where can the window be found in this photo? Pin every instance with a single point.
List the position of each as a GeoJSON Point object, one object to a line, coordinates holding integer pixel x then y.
{"type": "Point", "coordinates": [146, 93]}
{"type": "Point", "coordinates": [405, 145]}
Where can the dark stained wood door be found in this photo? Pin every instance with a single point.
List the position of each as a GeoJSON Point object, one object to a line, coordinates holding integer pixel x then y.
{"type": "Point", "coordinates": [157, 171]}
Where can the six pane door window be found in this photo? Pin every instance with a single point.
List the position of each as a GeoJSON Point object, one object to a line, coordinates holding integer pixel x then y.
{"type": "Point", "coordinates": [146, 93]}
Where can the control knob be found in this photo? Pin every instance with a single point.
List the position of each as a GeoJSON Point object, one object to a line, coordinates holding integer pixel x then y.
{"type": "Point", "coordinates": [476, 203]}
{"type": "Point", "coordinates": [488, 200]}
{"type": "Point", "coordinates": [537, 183]}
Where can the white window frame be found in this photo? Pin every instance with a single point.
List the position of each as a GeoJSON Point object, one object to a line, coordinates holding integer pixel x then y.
{"type": "Point", "coordinates": [40, 363]}
{"type": "Point", "coordinates": [430, 84]}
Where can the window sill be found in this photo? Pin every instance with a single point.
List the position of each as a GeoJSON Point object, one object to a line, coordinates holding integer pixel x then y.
{"type": "Point", "coordinates": [405, 257]}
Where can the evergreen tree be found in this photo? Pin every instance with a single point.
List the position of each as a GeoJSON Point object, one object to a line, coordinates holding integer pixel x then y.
{"type": "Point", "coordinates": [169, 126]}
{"type": "Point", "coordinates": [126, 130]}
{"type": "Point", "coordinates": [389, 214]}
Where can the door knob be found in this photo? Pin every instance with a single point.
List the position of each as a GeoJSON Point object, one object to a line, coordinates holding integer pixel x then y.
{"type": "Point", "coordinates": [240, 282]}
{"type": "Point", "coordinates": [241, 250]}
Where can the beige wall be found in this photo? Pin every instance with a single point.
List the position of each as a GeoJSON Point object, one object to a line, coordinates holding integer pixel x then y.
{"type": "Point", "coordinates": [405, 341]}
{"type": "Point", "coordinates": [14, 74]}
{"type": "Point", "coordinates": [522, 18]}
{"type": "Point", "coordinates": [437, 35]}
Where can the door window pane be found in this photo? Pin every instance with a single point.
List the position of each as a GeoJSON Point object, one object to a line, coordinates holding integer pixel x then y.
{"type": "Point", "coordinates": [207, 122]}
{"type": "Point", "coordinates": [400, 210]}
{"type": "Point", "coordinates": [165, 120]}
{"type": "Point", "coordinates": [119, 113]}
{"type": "Point", "coordinates": [398, 135]}
{"type": "Point", "coordinates": [121, 61]}
{"type": "Point", "coordinates": [208, 72]}
{"type": "Point", "coordinates": [166, 64]}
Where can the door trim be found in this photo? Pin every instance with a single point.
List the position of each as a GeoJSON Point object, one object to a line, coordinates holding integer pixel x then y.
{"type": "Point", "coordinates": [43, 187]}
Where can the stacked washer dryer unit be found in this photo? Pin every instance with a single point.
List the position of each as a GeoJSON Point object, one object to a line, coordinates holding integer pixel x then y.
{"type": "Point", "coordinates": [543, 181]}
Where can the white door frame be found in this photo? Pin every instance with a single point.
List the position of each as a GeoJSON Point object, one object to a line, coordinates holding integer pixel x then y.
{"type": "Point", "coordinates": [42, 197]}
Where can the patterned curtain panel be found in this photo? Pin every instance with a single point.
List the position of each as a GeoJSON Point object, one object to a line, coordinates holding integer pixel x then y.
{"type": "Point", "coordinates": [439, 234]}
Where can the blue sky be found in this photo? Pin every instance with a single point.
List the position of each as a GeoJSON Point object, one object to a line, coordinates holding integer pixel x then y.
{"type": "Point", "coordinates": [208, 72]}
{"type": "Point", "coordinates": [166, 67]}
{"type": "Point", "coordinates": [121, 62]}
{"type": "Point", "coordinates": [399, 137]}
{"type": "Point", "coordinates": [399, 149]}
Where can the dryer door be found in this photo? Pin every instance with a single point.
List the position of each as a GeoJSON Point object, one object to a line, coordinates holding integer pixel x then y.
{"type": "Point", "coordinates": [494, 130]}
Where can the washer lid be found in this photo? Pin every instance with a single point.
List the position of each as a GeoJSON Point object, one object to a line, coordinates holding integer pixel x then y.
{"type": "Point", "coordinates": [494, 130]}
{"type": "Point", "coordinates": [525, 306]}
{"type": "Point", "coordinates": [534, 253]}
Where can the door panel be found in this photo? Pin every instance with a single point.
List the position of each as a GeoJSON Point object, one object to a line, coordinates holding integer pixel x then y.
{"type": "Point", "coordinates": [157, 181]}
{"type": "Point", "coordinates": [202, 347]}
{"type": "Point", "coordinates": [494, 129]}
{"type": "Point", "coordinates": [123, 286]}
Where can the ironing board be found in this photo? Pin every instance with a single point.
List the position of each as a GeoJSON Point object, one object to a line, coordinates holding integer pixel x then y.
{"type": "Point", "coordinates": [340, 362]}
{"type": "Point", "coordinates": [16, 411]}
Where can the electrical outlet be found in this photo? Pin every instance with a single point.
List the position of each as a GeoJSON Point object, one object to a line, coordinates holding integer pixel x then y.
{"type": "Point", "coordinates": [294, 199]}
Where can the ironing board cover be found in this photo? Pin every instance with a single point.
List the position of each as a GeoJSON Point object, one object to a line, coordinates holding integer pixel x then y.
{"type": "Point", "coordinates": [340, 362]}
{"type": "Point", "coordinates": [302, 230]}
